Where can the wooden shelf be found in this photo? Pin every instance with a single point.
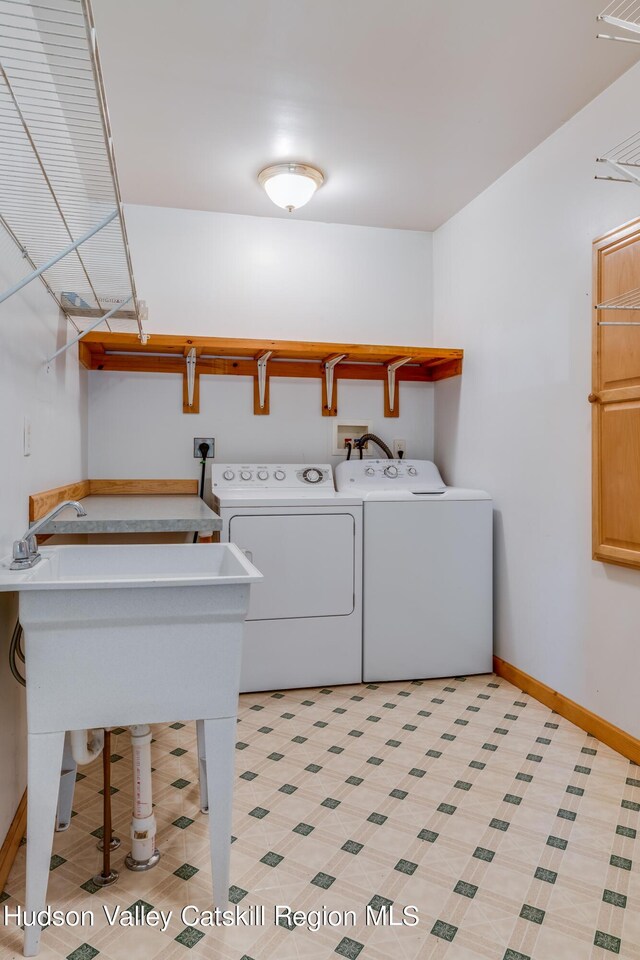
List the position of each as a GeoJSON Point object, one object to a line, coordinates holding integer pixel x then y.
{"type": "Point", "coordinates": [328, 362]}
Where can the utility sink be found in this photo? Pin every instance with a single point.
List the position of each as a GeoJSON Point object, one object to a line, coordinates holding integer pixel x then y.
{"type": "Point", "coordinates": [131, 565]}
{"type": "Point", "coordinates": [124, 635]}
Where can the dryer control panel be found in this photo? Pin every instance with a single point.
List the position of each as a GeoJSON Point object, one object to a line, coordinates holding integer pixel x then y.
{"type": "Point", "coordinates": [367, 476]}
{"type": "Point", "coordinates": [271, 476]}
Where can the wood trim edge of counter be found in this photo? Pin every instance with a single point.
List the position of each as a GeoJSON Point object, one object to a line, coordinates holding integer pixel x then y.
{"type": "Point", "coordinates": [619, 740]}
{"type": "Point", "coordinates": [40, 503]}
{"type": "Point", "coordinates": [12, 841]}
{"type": "Point", "coordinates": [135, 487]}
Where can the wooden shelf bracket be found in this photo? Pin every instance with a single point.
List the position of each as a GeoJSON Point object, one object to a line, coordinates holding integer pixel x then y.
{"type": "Point", "coordinates": [190, 361]}
{"type": "Point", "coordinates": [329, 385]}
{"type": "Point", "coordinates": [261, 385]}
{"type": "Point", "coordinates": [392, 398]}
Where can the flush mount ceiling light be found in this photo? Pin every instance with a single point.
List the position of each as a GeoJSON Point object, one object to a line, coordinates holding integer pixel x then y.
{"type": "Point", "coordinates": [290, 185]}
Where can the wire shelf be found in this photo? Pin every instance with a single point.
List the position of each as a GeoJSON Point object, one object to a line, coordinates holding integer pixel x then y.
{"type": "Point", "coordinates": [626, 301]}
{"type": "Point", "coordinates": [623, 14]}
{"type": "Point", "coordinates": [623, 160]}
{"type": "Point", "coordinates": [58, 177]}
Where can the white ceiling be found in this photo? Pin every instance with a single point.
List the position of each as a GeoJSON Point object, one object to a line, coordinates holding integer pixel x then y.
{"type": "Point", "coordinates": [411, 107]}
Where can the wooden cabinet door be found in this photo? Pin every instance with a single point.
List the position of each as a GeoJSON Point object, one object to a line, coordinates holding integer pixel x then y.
{"type": "Point", "coordinates": [616, 401]}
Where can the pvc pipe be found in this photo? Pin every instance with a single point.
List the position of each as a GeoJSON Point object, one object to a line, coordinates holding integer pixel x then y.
{"type": "Point", "coordinates": [86, 745]}
{"type": "Point", "coordinates": [143, 821]}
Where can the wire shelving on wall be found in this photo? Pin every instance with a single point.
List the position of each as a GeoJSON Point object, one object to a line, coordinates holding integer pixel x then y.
{"type": "Point", "coordinates": [624, 15]}
{"type": "Point", "coordinates": [59, 194]}
{"type": "Point", "coordinates": [626, 301]}
{"type": "Point", "coordinates": [623, 160]}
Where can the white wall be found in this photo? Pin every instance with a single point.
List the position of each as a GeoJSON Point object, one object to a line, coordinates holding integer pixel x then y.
{"type": "Point", "coordinates": [236, 276]}
{"type": "Point", "coordinates": [31, 329]}
{"type": "Point", "coordinates": [513, 288]}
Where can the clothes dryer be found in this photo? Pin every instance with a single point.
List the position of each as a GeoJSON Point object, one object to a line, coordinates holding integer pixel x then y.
{"type": "Point", "coordinates": [304, 626]}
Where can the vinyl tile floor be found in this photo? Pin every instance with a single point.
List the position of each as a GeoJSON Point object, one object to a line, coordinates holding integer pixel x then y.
{"type": "Point", "coordinates": [509, 831]}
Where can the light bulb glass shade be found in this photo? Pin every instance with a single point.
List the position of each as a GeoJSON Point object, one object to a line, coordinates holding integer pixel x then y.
{"type": "Point", "coordinates": [290, 190]}
{"type": "Point", "coordinates": [290, 185]}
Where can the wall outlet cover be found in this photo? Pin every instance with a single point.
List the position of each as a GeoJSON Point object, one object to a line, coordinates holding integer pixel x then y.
{"type": "Point", "coordinates": [211, 443]}
{"type": "Point", "coordinates": [398, 446]}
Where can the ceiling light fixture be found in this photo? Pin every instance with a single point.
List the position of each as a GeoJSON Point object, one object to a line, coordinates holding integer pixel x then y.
{"type": "Point", "coordinates": [290, 185]}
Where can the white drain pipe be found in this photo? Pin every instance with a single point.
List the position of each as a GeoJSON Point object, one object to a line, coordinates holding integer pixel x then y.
{"type": "Point", "coordinates": [144, 854]}
{"type": "Point", "coordinates": [86, 745]}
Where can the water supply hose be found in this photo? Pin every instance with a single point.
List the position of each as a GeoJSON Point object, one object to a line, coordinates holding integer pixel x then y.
{"type": "Point", "coordinates": [15, 650]}
{"type": "Point", "coordinates": [380, 443]}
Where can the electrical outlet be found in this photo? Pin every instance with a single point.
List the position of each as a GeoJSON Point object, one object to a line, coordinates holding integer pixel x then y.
{"type": "Point", "coordinates": [398, 447]}
{"type": "Point", "coordinates": [211, 444]}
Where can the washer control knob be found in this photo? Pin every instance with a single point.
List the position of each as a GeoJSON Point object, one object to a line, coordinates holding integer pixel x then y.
{"type": "Point", "coordinates": [228, 475]}
{"type": "Point", "coordinates": [280, 475]}
{"type": "Point", "coordinates": [312, 475]}
{"type": "Point", "coordinates": [412, 471]}
{"type": "Point", "coordinates": [245, 475]}
{"type": "Point", "coordinates": [391, 471]}
{"type": "Point", "coordinates": [369, 471]}
{"type": "Point", "coordinates": [263, 474]}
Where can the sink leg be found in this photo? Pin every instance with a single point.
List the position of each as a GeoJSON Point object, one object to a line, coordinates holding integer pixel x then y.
{"type": "Point", "coordinates": [44, 765]}
{"type": "Point", "coordinates": [202, 767]}
{"type": "Point", "coordinates": [219, 742]}
{"type": "Point", "coordinates": [67, 786]}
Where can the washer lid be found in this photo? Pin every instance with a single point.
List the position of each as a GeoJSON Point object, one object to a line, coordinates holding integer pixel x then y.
{"type": "Point", "coordinates": [424, 496]}
{"type": "Point", "coordinates": [377, 476]}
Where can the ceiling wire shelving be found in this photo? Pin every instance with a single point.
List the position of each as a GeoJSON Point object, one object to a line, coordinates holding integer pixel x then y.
{"type": "Point", "coordinates": [624, 15]}
{"type": "Point", "coordinates": [60, 199]}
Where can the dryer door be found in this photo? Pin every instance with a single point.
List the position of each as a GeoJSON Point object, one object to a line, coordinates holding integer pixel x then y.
{"type": "Point", "coordinates": [307, 561]}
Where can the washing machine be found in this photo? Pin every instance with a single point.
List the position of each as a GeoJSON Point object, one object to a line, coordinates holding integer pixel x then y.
{"type": "Point", "coordinates": [428, 571]}
{"type": "Point", "coordinates": [304, 625]}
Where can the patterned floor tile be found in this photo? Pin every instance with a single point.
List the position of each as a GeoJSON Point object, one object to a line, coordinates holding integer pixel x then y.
{"type": "Point", "coordinates": [512, 832]}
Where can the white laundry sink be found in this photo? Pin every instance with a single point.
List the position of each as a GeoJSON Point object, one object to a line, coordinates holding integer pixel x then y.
{"type": "Point", "coordinates": [131, 565]}
{"type": "Point", "coordinates": [109, 628]}
{"type": "Point", "coordinates": [122, 635]}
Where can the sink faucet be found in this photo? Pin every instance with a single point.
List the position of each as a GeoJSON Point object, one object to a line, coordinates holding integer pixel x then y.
{"type": "Point", "coordinates": [25, 550]}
